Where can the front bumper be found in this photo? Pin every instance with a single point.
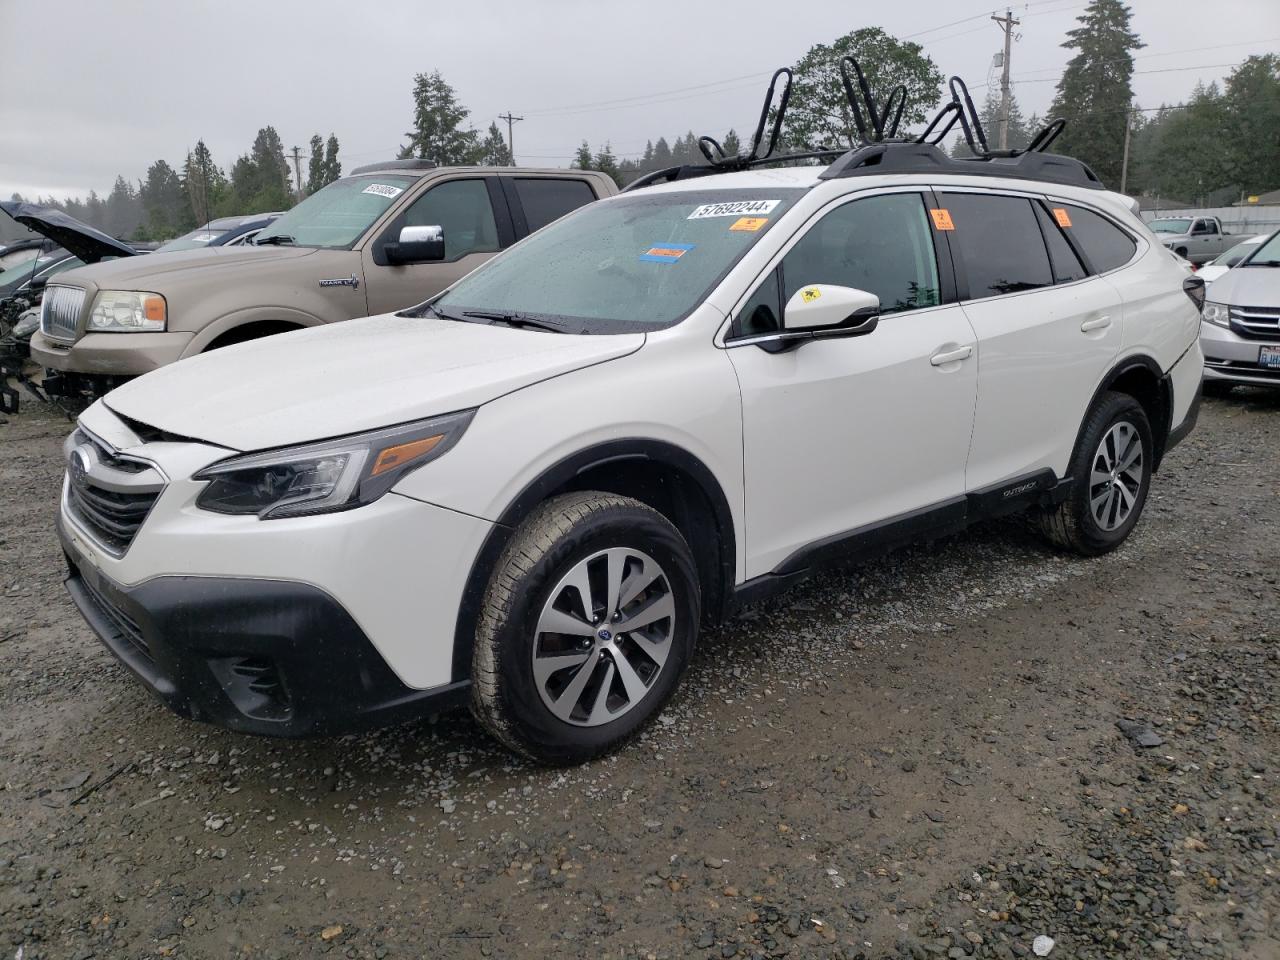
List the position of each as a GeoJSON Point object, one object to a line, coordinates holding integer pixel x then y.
{"type": "Point", "coordinates": [270, 657]}
{"type": "Point", "coordinates": [110, 354]}
{"type": "Point", "coordinates": [1231, 358]}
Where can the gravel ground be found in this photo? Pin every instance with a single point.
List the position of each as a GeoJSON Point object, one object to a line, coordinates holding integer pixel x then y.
{"type": "Point", "coordinates": [947, 753]}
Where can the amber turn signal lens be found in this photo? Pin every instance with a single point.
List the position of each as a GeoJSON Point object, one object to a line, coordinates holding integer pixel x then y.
{"type": "Point", "coordinates": [153, 308]}
{"type": "Point", "coordinates": [402, 453]}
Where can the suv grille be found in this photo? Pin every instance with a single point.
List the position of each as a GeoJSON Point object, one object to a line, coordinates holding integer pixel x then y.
{"type": "Point", "coordinates": [60, 312]}
{"type": "Point", "coordinates": [1256, 323]}
{"type": "Point", "coordinates": [109, 495]}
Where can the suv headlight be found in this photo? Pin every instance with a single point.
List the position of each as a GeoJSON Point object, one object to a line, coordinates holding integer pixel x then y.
{"type": "Point", "coordinates": [327, 476]}
{"type": "Point", "coordinates": [127, 311]}
{"type": "Point", "coordinates": [1216, 313]}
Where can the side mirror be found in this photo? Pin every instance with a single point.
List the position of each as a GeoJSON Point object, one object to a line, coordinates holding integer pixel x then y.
{"type": "Point", "coordinates": [828, 310]}
{"type": "Point", "coordinates": [417, 245]}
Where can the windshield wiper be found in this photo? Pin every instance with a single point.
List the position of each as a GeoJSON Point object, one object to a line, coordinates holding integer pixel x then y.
{"type": "Point", "coordinates": [275, 238]}
{"type": "Point", "coordinates": [1263, 263]}
{"type": "Point", "coordinates": [514, 320]}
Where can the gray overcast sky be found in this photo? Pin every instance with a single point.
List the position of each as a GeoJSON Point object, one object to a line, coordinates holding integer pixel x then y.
{"type": "Point", "coordinates": [91, 89]}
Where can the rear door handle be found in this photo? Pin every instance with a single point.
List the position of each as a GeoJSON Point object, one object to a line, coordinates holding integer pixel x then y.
{"type": "Point", "coordinates": [1097, 323]}
{"type": "Point", "coordinates": [950, 356]}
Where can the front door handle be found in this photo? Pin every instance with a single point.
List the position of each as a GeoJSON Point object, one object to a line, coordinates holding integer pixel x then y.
{"type": "Point", "coordinates": [951, 356]}
{"type": "Point", "coordinates": [1097, 323]}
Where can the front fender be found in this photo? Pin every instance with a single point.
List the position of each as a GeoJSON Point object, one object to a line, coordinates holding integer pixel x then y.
{"type": "Point", "coordinates": [239, 318]}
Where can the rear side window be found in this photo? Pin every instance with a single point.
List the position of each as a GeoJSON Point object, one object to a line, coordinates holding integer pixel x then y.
{"type": "Point", "coordinates": [1066, 265]}
{"type": "Point", "coordinates": [545, 200]}
{"type": "Point", "coordinates": [1104, 244]}
{"type": "Point", "coordinates": [1000, 243]}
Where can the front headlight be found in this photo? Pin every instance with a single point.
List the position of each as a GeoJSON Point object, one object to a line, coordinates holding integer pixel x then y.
{"type": "Point", "coordinates": [127, 311]}
{"type": "Point", "coordinates": [327, 476]}
{"type": "Point", "coordinates": [1216, 313]}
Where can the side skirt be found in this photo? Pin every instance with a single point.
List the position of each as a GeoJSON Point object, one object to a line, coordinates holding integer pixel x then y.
{"type": "Point", "coordinates": [1042, 488]}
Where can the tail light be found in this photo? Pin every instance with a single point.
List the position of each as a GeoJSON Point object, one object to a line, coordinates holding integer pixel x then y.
{"type": "Point", "coordinates": [1193, 287]}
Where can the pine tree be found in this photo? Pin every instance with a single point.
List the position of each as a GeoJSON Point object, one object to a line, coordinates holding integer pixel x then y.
{"type": "Point", "coordinates": [164, 202]}
{"type": "Point", "coordinates": [315, 166]}
{"type": "Point", "coordinates": [494, 150]}
{"type": "Point", "coordinates": [732, 146]}
{"type": "Point", "coordinates": [646, 161]}
{"type": "Point", "coordinates": [437, 133]}
{"type": "Point", "coordinates": [606, 162]}
{"type": "Point", "coordinates": [1096, 90]}
{"type": "Point", "coordinates": [661, 154]}
{"type": "Point", "coordinates": [332, 165]}
{"type": "Point", "coordinates": [583, 159]}
{"type": "Point", "coordinates": [204, 183]}
{"type": "Point", "coordinates": [1252, 130]}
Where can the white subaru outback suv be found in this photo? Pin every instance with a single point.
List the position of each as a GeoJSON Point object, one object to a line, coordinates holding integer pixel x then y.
{"type": "Point", "coordinates": [532, 490]}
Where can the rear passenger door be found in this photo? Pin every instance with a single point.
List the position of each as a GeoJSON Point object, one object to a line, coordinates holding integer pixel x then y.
{"type": "Point", "coordinates": [473, 214]}
{"type": "Point", "coordinates": [536, 201]}
{"type": "Point", "coordinates": [1047, 332]}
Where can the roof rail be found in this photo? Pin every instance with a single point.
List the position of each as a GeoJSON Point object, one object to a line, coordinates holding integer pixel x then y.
{"type": "Point", "coordinates": [878, 159]}
{"type": "Point", "coordinates": [411, 164]}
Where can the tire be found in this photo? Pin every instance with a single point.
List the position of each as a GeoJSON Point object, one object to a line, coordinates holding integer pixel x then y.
{"type": "Point", "coordinates": [1074, 524]}
{"type": "Point", "coordinates": [1182, 252]}
{"type": "Point", "coordinates": [1216, 388]}
{"type": "Point", "coordinates": [554, 714]}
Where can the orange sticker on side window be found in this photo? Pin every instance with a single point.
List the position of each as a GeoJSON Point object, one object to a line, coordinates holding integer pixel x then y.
{"type": "Point", "coordinates": [1061, 216]}
{"type": "Point", "coordinates": [751, 224]}
{"type": "Point", "coordinates": [942, 219]}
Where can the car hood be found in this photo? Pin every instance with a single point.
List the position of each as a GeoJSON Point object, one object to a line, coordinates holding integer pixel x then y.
{"type": "Point", "coordinates": [1247, 286]}
{"type": "Point", "coordinates": [348, 377]}
{"type": "Point", "coordinates": [133, 274]}
{"type": "Point", "coordinates": [87, 243]}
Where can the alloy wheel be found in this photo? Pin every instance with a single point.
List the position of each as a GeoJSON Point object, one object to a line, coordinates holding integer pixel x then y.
{"type": "Point", "coordinates": [603, 636]}
{"type": "Point", "coordinates": [1116, 476]}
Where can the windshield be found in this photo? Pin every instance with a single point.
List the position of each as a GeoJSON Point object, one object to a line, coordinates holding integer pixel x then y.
{"type": "Point", "coordinates": [1171, 225]}
{"type": "Point", "coordinates": [15, 276]}
{"type": "Point", "coordinates": [191, 241]}
{"type": "Point", "coordinates": [1235, 254]}
{"type": "Point", "coordinates": [337, 215]}
{"type": "Point", "coordinates": [639, 262]}
{"type": "Point", "coordinates": [1267, 255]}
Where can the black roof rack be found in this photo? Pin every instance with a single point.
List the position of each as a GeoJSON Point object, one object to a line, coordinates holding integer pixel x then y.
{"type": "Point", "coordinates": [410, 164]}
{"type": "Point", "coordinates": [882, 151]}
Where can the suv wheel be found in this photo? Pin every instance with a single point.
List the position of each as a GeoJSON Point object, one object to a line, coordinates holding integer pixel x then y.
{"type": "Point", "coordinates": [587, 624]}
{"type": "Point", "coordinates": [1110, 476]}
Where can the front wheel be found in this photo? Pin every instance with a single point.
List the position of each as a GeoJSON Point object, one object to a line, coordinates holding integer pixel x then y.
{"type": "Point", "coordinates": [587, 625]}
{"type": "Point", "coordinates": [1110, 476]}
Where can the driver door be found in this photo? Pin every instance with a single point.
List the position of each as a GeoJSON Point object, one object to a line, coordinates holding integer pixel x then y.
{"type": "Point", "coordinates": [841, 435]}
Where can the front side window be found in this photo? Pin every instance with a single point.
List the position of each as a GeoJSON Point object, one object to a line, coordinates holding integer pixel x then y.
{"type": "Point", "coordinates": [462, 208]}
{"type": "Point", "coordinates": [338, 215]}
{"type": "Point", "coordinates": [1105, 245]}
{"type": "Point", "coordinates": [546, 199]}
{"type": "Point", "coordinates": [882, 245]}
{"type": "Point", "coordinates": [636, 262]}
{"type": "Point", "coordinates": [1000, 243]}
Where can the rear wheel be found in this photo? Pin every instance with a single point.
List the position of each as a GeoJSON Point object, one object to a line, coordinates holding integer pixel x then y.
{"type": "Point", "coordinates": [1110, 476]}
{"type": "Point", "coordinates": [587, 624]}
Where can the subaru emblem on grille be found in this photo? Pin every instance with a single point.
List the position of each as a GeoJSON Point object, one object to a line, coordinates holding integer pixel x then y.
{"type": "Point", "coordinates": [78, 466]}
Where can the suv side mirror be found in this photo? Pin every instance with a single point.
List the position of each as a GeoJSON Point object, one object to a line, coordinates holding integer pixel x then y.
{"type": "Point", "coordinates": [417, 245]}
{"type": "Point", "coordinates": [829, 310]}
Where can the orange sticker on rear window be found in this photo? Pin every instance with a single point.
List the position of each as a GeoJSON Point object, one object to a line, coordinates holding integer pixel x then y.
{"type": "Point", "coordinates": [1061, 216]}
{"type": "Point", "coordinates": [749, 223]}
{"type": "Point", "coordinates": [942, 219]}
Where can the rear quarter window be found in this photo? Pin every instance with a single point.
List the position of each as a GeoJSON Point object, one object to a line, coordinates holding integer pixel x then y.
{"type": "Point", "coordinates": [545, 200]}
{"type": "Point", "coordinates": [1105, 244]}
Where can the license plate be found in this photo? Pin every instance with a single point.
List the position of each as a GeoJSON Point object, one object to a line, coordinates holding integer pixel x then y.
{"type": "Point", "coordinates": [1269, 357]}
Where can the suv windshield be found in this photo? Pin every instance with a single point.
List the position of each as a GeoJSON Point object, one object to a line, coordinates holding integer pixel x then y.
{"type": "Point", "coordinates": [1267, 255]}
{"type": "Point", "coordinates": [1171, 225]}
{"type": "Point", "coordinates": [337, 215]}
{"type": "Point", "coordinates": [635, 263]}
{"type": "Point", "coordinates": [191, 241]}
{"type": "Point", "coordinates": [1235, 254]}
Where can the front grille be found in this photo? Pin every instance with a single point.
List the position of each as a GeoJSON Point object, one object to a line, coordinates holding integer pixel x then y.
{"type": "Point", "coordinates": [1256, 323]}
{"type": "Point", "coordinates": [60, 312]}
{"type": "Point", "coordinates": [109, 495]}
{"type": "Point", "coordinates": [125, 625]}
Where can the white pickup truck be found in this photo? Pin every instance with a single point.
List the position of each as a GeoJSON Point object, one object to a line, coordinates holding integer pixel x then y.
{"type": "Point", "coordinates": [1198, 239]}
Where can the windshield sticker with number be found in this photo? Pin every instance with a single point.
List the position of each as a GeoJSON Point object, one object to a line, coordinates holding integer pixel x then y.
{"type": "Point", "coordinates": [383, 190]}
{"type": "Point", "coordinates": [666, 252]}
{"type": "Point", "coordinates": [734, 208]}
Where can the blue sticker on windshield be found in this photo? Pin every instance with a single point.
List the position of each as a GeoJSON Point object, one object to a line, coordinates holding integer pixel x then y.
{"type": "Point", "coordinates": [666, 252]}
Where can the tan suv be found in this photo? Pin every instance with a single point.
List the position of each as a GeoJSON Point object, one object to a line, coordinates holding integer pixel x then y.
{"type": "Point", "coordinates": [385, 237]}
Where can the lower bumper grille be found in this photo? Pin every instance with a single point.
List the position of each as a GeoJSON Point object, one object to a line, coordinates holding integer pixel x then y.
{"type": "Point", "coordinates": [128, 627]}
{"type": "Point", "coordinates": [1242, 368]}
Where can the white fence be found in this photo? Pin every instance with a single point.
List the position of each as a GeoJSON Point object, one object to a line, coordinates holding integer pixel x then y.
{"type": "Point", "coordinates": [1246, 220]}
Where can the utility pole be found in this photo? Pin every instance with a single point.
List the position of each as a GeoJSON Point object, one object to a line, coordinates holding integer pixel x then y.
{"type": "Point", "coordinates": [511, 144]}
{"type": "Point", "coordinates": [1124, 164]}
{"type": "Point", "coordinates": [297, 168]}
{"type": "Point", "coordinates": [1007, 23]}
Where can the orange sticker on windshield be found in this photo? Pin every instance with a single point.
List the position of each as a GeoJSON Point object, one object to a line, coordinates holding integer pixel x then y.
{"type": "Point", "coordinates": [751, 224]}
{"type": "Point", "coordinates": [942, 219]}
{"type": "Point", "coordinates": [1061, 216]}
